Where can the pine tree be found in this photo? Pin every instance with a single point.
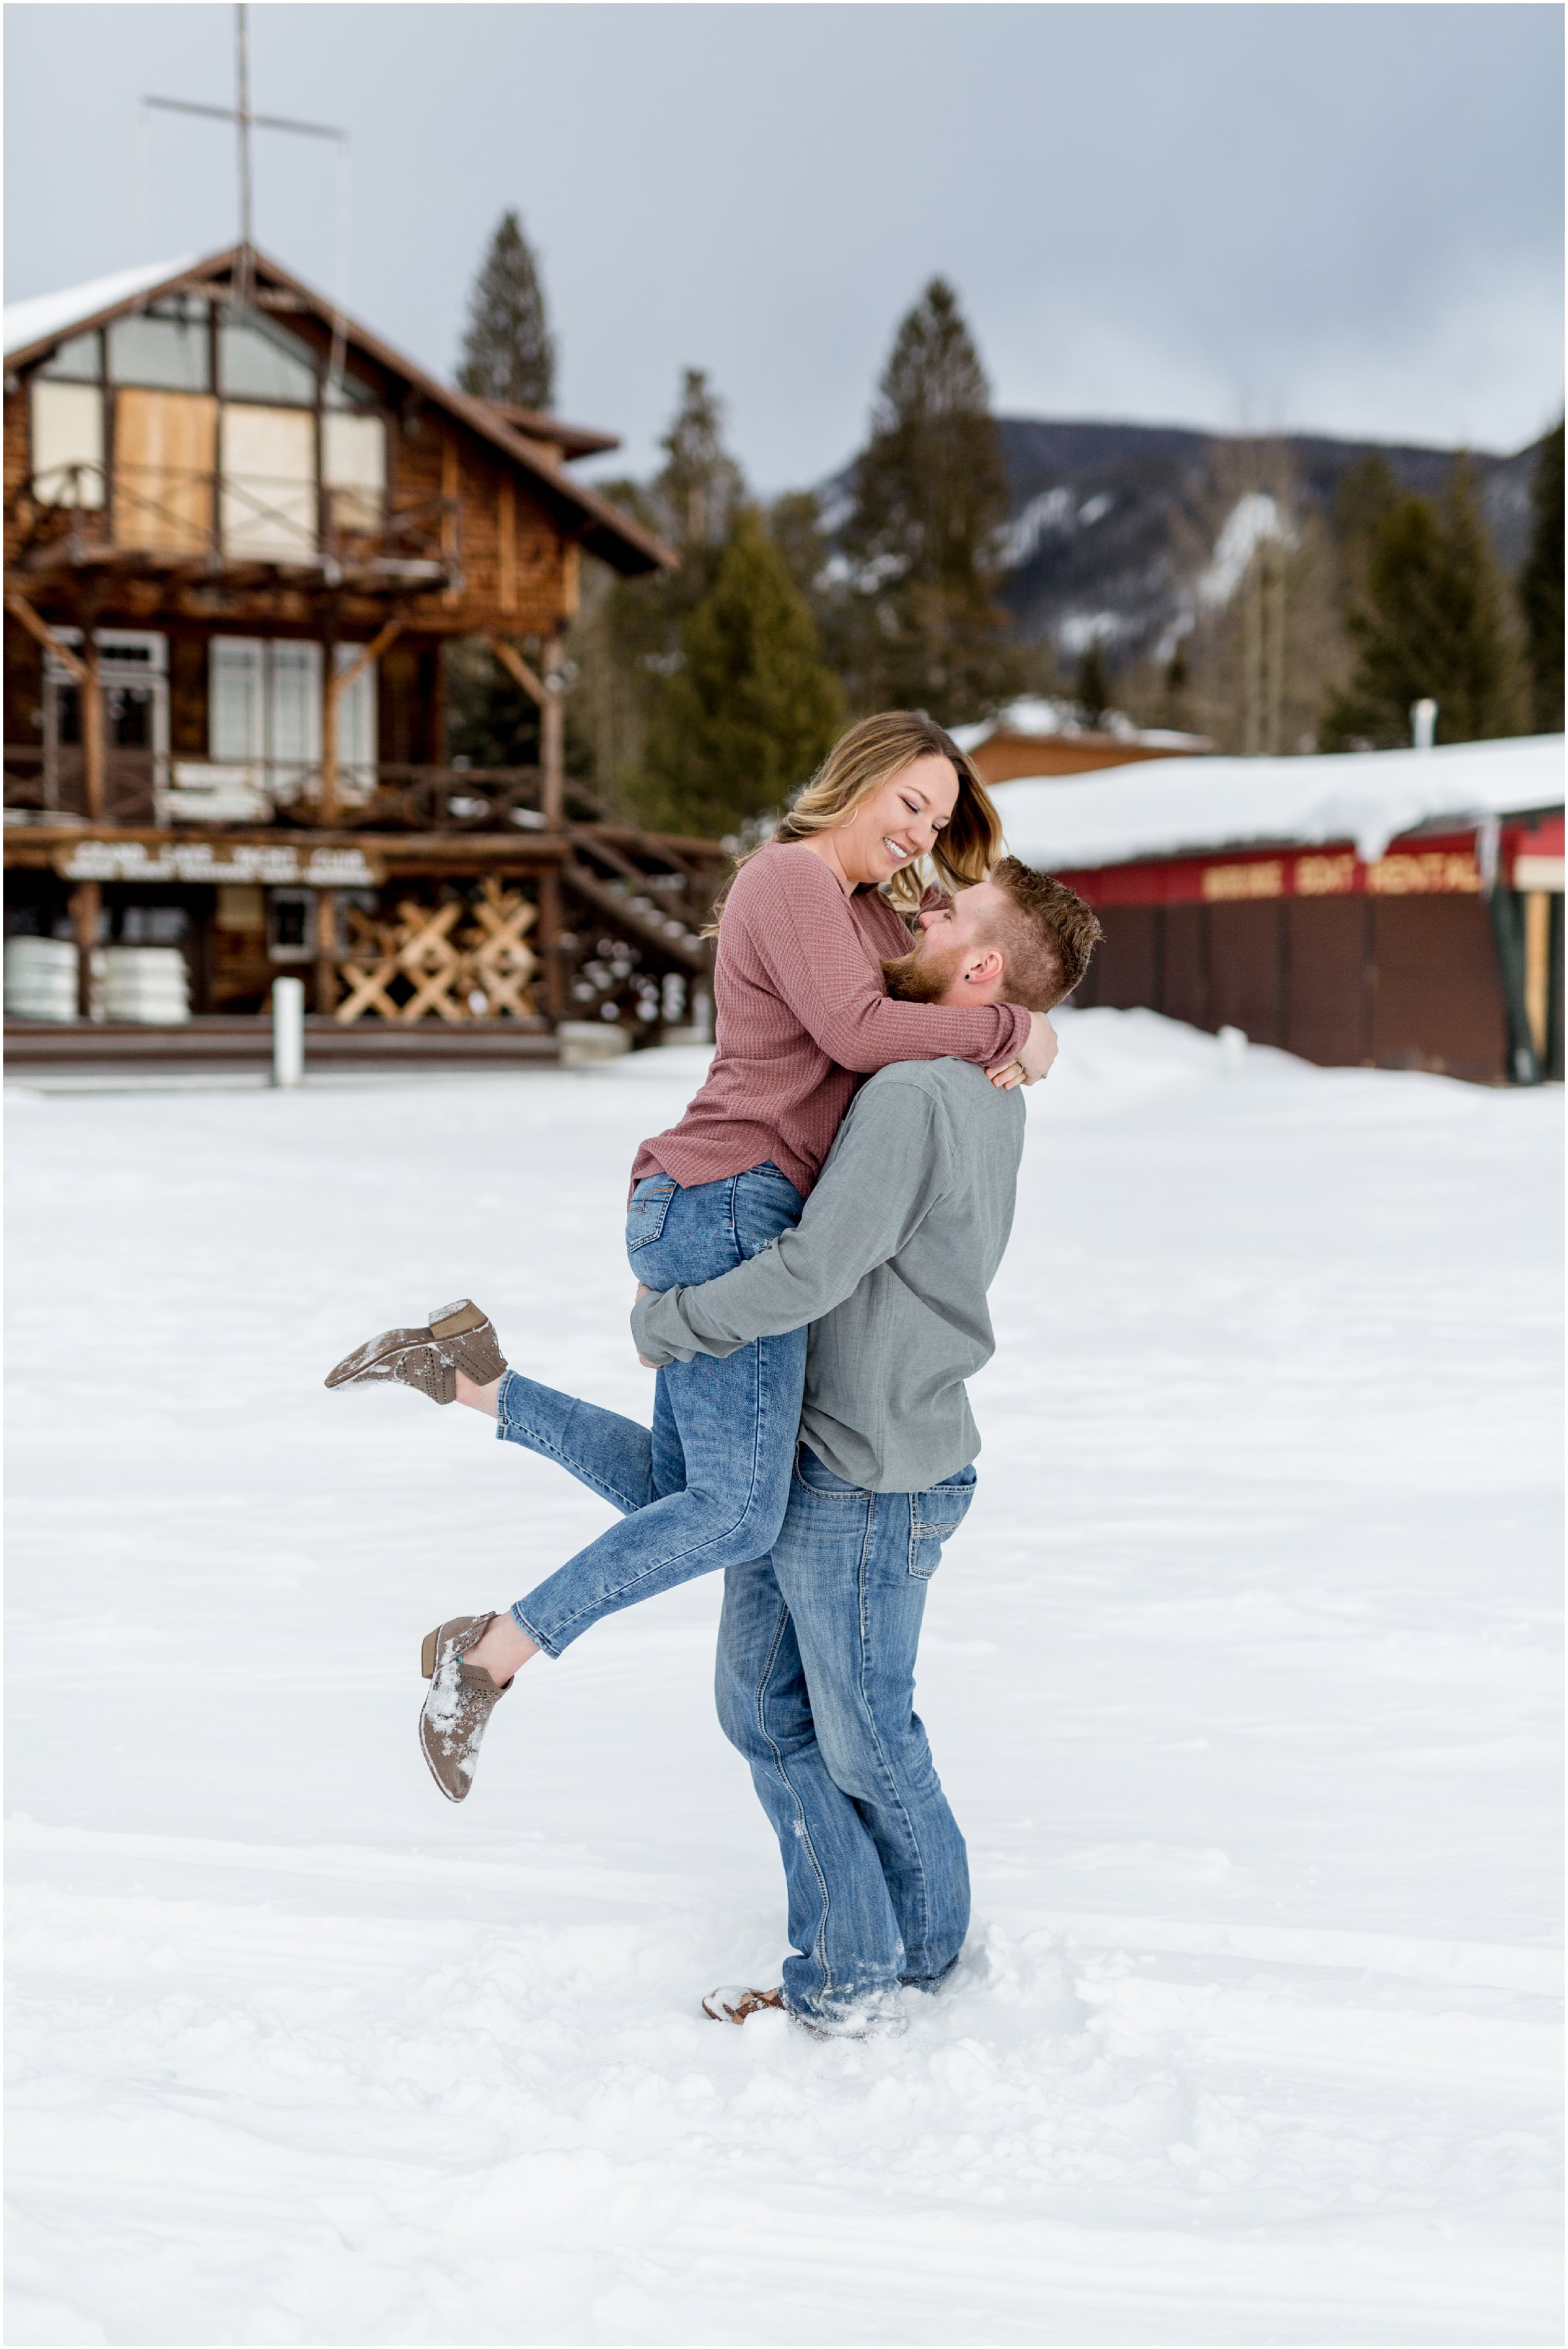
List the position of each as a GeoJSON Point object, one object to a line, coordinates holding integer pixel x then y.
{"type": "Point", "coordinates": [1094, 687]}
{"type": "Point", "coordinates": [507, 350]}
{"type": "Point", "coordinates": [627, 637]}
{"type": "Point", "coordinates": [699, 489]}
{"type": "Point", "coordinates": [930, 496]}
{"type": "Point", "coordinates": [751, 709]}
{"type": "Point", "coordinates": [1540, 589]}
{"type": "Point", "coordinates": [1432, 624]}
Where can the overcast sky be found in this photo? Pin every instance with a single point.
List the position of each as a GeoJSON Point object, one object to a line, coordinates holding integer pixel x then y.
{"type": "Point", "coordinates": [1339, 218]}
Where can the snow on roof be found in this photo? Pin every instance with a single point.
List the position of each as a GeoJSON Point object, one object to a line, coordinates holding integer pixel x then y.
{"type": "Point", "coordinates": [1176, 807]}
{"type": "Point", "coordinates": [52, 314]}
{"type": "Point", "coordinates": [1033, 716]}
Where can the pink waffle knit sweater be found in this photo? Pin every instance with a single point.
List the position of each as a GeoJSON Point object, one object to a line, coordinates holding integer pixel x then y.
{"type": "Point", "coordinates": [801, 1011]}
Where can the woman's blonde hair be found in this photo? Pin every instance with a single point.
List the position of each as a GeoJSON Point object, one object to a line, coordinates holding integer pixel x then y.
{"type": "Point", "coordinates": [860, 763]}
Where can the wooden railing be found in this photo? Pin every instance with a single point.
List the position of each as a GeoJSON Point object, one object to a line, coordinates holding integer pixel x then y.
{"type": "Point", "coordinates": [82, 514]}
{"type": "Point", "coordinates": [141, 787]}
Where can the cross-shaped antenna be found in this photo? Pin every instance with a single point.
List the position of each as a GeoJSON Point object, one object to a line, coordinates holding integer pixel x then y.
{"type": "Point", "coordinates": [246, 121]}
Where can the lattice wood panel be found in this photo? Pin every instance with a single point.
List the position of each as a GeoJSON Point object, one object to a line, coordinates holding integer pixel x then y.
{"type": "Point", "coordinates": [454, 962]}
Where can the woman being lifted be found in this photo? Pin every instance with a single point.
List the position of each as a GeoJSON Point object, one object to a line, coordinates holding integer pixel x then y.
{"type": "Point", "coordinates": [802, 1012]}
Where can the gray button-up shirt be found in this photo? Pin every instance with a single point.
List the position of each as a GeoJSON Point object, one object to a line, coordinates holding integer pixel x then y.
{"type": "Point", "coordinates": [890, 1264]}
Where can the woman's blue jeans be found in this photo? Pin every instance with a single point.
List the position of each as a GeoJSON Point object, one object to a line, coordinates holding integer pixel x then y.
{"type": "Point", "coordinates": [708, 1487]}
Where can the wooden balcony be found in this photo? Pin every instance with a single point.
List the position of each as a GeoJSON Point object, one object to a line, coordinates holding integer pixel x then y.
{"type": "Point", "coordinates": [233, 531]}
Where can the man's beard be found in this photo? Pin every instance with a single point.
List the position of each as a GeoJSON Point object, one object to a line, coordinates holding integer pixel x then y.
{"type": "Point", "coordinates": [924, 975]}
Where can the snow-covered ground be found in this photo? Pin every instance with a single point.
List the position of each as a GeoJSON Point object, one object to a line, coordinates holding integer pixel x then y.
{"type": "Point", "coordinates": [1240, 1675]}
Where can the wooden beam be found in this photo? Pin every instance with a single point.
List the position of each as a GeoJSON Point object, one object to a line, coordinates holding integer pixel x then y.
{"type": "Point", "coordinates": [328, 808]}
{"type": "Point", "coordinates": [452, 492]}
{"type": "Point", "coordinates": [343, 678]}
{"type": "Point", "coordinates": [326, 951]}
{"type": "Point", "coordinates": [20, 609]}
{"type": "Point", "coordinates": [92, 726]}
{"type": "Point", "coordinates": [554, 732]}
{"type": "Point", "coordinates": [86, 904]}
{"type": "Point", "coordinates": [508, 545]}
{"type": "Point", "coordinates": [547, 939]}
{"type": "Point", "coordinates": [512, 660]}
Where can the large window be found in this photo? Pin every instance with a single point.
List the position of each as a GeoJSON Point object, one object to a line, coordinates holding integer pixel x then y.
{"type": "Point", "coordinates": [264, 715]}
{"type": "Point", "coordinates": [203, 423]}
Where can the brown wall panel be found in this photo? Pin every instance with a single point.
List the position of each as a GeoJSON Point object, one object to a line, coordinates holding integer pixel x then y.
{"type": "Point", "coordinates": [24, 686]}
{"type": "Point", "coordinates": [188, 659]}
{"type": "Point", "coordinates": [1246, 961]}
{"type": "Point", "coordinates": [1328, 1008]}
{"type": "Point", "coordinates": [1128, 957]}
{"type": "Point", "coordinates": [1437, 996]}
{"type": "Point", "coordinates": [1185, 975]}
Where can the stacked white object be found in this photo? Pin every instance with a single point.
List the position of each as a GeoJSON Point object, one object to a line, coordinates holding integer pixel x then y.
{"type": "Point", "coordinates": [148, 984]}
{"type": "Point", "coordinates": [40, 979]}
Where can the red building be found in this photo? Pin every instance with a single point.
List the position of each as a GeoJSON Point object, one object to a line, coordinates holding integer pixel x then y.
{"type": "Point", "coordinates": [1400, 910]}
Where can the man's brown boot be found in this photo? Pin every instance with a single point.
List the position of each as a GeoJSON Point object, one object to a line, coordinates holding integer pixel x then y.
{"type": "Point", "coordinates": [735, 2004]}
{"type": "Point", "coordinates": [459, 1701]}
{"type": "Point", "coordinates": [458, 1338]}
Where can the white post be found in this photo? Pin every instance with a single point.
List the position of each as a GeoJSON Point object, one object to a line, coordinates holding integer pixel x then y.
{"type": "Point", "coordinates": [1422, 724]}
{"type": "Point", "coordinates": [287, 1031]}
{"type": "Point", "coordinates": [1233, 1051]}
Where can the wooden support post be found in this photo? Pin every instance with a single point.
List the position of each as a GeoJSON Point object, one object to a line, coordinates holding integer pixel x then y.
{"type": "Point", "coordinates": [91, 695]}
{"type": "Point", "coordinates": [554, 732]}
{"type": "Point", "coordinates": [328, 806]}
{"type": "Point", "coordinates": [547, 937]}
{"type": "Point", "coordinates": [547, 692]}
{"type": "Point", "coordinates": [86, 907]}
{"type": "Point", "coordinates": [326, 952]}
{"type": "Point", "coordinates": [1537, 967]}
{"type": "Point", "coordinates": [336, 684]}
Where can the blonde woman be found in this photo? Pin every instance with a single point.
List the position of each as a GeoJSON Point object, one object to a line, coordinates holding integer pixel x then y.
{"type": "Point", "coordinates": [801, 1011]}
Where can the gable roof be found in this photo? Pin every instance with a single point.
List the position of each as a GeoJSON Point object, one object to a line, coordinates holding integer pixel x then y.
{"type": "Point", "coordinates": [32, 328]}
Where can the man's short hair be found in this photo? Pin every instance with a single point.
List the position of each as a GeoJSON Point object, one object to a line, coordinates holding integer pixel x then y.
{"type": "Point", "coordinates": [1046, 935]}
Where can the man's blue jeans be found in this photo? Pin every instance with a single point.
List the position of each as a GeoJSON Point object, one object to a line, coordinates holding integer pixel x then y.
{"type": "Point", "coordinates": [816, 1683]}
{"type": "Point", "coordinates": [708, 1487]}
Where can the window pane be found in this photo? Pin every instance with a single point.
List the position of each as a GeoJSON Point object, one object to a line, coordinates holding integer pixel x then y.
{"type": "Point", "coordinates": [347, 392]}
{"type": "Point", "coordinates": [354, 468]}
{"type": "Point", "coordinates": [258, 360]}
{"type": "Point", "coordinates": [236, 728]}
{"type": "Point", "coordinates": [79, 361]}
{"type": "Point", "coordinates": [356, 730]}
{"type": "Point", "coordinates": [269, 484]}
{"type": "Point", "coordinates": [294, 710]}
{"type": "Point", "coordinates": [164, 459]}
{"type": "Point", "coordinates": [68, 443]}
{"type": "Point", "coordinates": [166, 352]}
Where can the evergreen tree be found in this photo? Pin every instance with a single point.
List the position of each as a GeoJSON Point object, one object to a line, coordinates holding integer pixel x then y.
{"type": "Point", "coordinates": [626, 637]}
{"type": "Point", "coordinates": [1094, 688]}
{"type": "Point", "coordinates": [490, 721]}
{"type": "Point", "coordinates": [699, 489]}
{"type": "Point", "coordinates": [1433, 623]}
{"type": "Point", "coordinates": [751, 709]}
{"type": "Point", "coordinates": [930, 496]}
{"type": "Point", "coordinates": [1540, 589]}
{"type": "Point", "coordinates": [507, 351]}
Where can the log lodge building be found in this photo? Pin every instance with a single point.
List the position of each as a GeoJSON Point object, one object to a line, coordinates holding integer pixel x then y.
{"type": "Point", "coordinates": [239, 532]}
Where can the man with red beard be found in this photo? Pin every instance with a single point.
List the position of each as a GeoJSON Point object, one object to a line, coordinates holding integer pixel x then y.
{"type": "Point", "coordinates": [889, 1267]}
